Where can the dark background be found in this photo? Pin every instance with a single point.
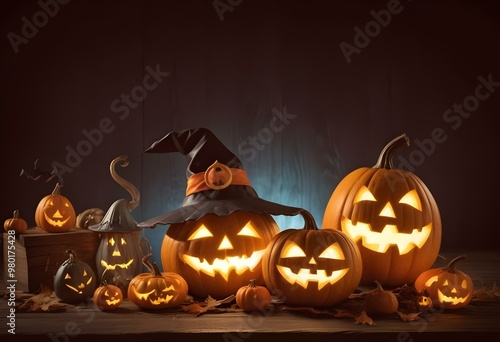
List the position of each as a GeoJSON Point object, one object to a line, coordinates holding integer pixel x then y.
{"type": "Point", "coordinates": [228, 73]}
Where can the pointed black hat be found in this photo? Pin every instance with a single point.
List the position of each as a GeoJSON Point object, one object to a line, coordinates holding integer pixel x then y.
{"type": "Point", "coordinates": [216, 181]}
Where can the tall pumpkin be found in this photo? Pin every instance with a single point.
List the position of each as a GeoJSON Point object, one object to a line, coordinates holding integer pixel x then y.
{"type": "Point", "coordinates": [392, 216]}
{"type": "Point", "coordinates": [55, 213]}
{"type": "Point", "coordinates": [217, 255]}
{"type": "Point", "coordinates": [310, 266]}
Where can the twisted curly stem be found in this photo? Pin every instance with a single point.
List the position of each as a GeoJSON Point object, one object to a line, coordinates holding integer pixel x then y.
{"type": "Point", "coordinates": [131, 189]}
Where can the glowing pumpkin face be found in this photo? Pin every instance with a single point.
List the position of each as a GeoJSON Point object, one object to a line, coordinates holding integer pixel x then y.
{"type": "Point", "coordinates": [74, 281]}
{"type": "Point", "coordinates": [447, 286]}
{"type": "Point", "coordinates": [157, 290]}
{"type": "Point", "coordinates": [107, 297]}
{"type": "Point", "coordinates": [121, 254]}
{"type": "Point", "coordinates": [218, 254]}
{"type": "Point", "coordinates": [312, 267]}
{"type": "Point", "coordinates": [55, 213]}
{"type": "Point", "coordinates": [391, 215]}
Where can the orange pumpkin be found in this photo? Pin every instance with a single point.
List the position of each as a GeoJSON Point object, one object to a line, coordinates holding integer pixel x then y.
{"type": "Point", "coordinates": [107, 297]}
{"type": "Point", "coordinates": [253, 297]}
{"type": "Point", "coordinates": [218, 254]}
{"type": "Point", "coordinates": [391, 215]}
{"type": "Point", "coordinates": [310, 266]}
{"type": "Point", "coordinates": [157, 290]}
{"type": "Point", "coordinates": [447, 286]}
{"type": "Point", "coordinates": [380, 301]}
{"type": "Point", "coordinates": [55, 213]}
{"type": "Point", "coordinates": [16, 223]}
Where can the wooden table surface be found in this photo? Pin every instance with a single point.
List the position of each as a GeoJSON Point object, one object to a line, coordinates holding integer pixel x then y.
{"type": "Point", "coordinates": [479, 321]}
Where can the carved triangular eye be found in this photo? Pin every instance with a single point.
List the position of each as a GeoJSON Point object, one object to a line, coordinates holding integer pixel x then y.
{"type": "Point", "coordinates": [364, 195]}
{"type": "Point", "coordinates": [334, 251]}
{"type": "Point", "coordinates": [292, 250]}
{"type": "Point", "coordinates": [445, 283]}
{"type": "Point", "coordinates": [464, 284]}
{"type": "Point", "coordinates": [123, 241]}
{"type": "Point", "coordinates": [111, 241]}
{"type": "Point", "coordinates": [67, 276]}
{"type": "Point", "coordinates": [200, 233]}
{"type": "Point", "coordinates": [249, 230]}
{"type": "Point", "coordinates": [411, 198]}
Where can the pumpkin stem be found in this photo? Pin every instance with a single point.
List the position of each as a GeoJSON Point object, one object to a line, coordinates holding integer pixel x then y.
{"type": "Point", "coordinates": [131, 189]}
{"type": "Point", "coordinates": [72, 255]}
{"type": "Point", "coordinates": [385, 158]}
{"type": "Point", "coordinates": [156, 270]}
{"type": "Point", "coordinates": [252, 283]}
{"type": "Point", "coordinates": [451, 265]}
{"type": "Point", "coordinates": [57, 189]}
{"type": "Point", "coordinates": [16, 214]}
{"type": "Point", "coordinates": [379, 286]}
{"type": "Point", "coordinates": [309, 222]}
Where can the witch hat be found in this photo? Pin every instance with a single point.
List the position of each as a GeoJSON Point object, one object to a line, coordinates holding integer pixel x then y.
{"type": "Point", "coordinates": [216, 181]}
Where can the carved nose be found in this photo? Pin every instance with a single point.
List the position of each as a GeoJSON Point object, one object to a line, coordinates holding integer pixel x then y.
{"type": "Point", "coordinates": [57, 215]}
{"type": "Point", "coordinates": [387, 211]}
{"type": "Point", "coordinates": [225, 244]}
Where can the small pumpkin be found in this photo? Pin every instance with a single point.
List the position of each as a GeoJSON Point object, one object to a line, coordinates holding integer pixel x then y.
{"type": "Point", "coordinates": [55, 213]}
{"type": "Point", "coordinates": [310, 266]}
{"type": "Point", "coordinates": [157, 290]}
{"type": "Point", "coordinates": [380, 301]}
{"type": "Point", "coordinates": [391, 215]}
{"type": "Point", "coordinates": [253, 297]}
{"type": "Point", "coordinates": [74, 281]}
{"type": "Point", "coordinates": [16, 223]}
{"type": "Point", "coordinates": [107, 297]}
{"type": "Point", "coordinates": [447, 286]}
{"type": "Point", "coordinates": [89, 217]}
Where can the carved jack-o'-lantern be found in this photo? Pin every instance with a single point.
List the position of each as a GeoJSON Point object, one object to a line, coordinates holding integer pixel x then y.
{"type": "Point", "coordinates": [391, 215]}
{"type": "Point", "coordinates": [120, 252]}
{"type": "Point", "coordinates": [447, 286]}
{"type": "Point", "coordinates": [107, 297]}
{"type": "Point", "coordinates": [218, 254]}
{"type": "Point", "coordinates": [157, 290]}
{"type": "Point", "coordinates": [55, 213]}
{"type": "Point", "coordinates": [311, 266]}
{"type": "Point", "coordinates": [74, 281]}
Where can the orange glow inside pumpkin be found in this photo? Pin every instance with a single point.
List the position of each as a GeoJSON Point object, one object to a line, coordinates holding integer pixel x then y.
{"type": "Point", "coordinates": [224, 266]}
{"type": "Point", "coordinates": [78, 287]}
{"type": "Point", "coordinates": [305, 275]}
{"type": "Point", "coordinates": [390, 234]}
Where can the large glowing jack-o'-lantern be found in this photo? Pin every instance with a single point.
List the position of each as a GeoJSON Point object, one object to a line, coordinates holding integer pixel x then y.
{"type": "Point", "coordinates": [157, 290]}
{"type": "Point", "coordinates": [447, 286]}
{"type": "Point", "coordinates": [311, 266]}
{"type": "Point", "coordinates": [74, 281]}
{"type": "Point", "coordinates": [218, 254]}
{"type": "Point", "coordinates": [392, 216]}
{"type": "Point", "coordinates": [55, 213]}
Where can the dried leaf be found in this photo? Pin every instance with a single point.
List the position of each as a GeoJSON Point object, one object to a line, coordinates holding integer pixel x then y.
{"type": "Point", "coordinates": [363, 318]}
{"type": "Point", "coordinates": [484, 295]}
{"type": "Point", "coordinates": [210, 304]}
{"type": "Point", "coordinates": [408, 317]}
{"type": "Point", "coordinates": [45, 301]}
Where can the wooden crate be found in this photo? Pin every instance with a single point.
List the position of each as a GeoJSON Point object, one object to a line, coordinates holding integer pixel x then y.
{"type": "Point", "coordinates": [39, 254]}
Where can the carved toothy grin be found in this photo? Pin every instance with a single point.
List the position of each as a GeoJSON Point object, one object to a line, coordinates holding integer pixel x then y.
{"type": "Point", "coordinates": [159, 300]}
{"type": "Point", "coordinates": [304, 276]}
{"type": "Point", "coordinates": [389, 236]}
{"type": "Point", "coordinates": [113, 301]}
{"type": "Point", "coordinates": [224, 266]}
{"type": "Point", "coordinates": [113, 267]}
{"type": "Point", "coordinates": [452, 300]}
{"type": "Point", "coordinates": [56, 223]}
